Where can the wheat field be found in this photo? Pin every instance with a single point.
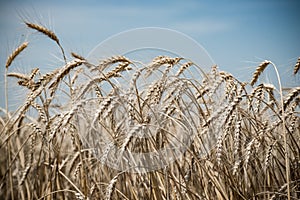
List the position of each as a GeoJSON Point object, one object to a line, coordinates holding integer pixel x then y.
{"type": "Point", "coordinates": [240, 139]}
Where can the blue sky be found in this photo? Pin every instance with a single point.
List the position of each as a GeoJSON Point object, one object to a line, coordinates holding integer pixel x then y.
{"type": "Point", "coordinates": [237, 34]}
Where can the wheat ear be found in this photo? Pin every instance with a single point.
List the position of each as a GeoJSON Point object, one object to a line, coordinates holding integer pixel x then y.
{"type": "Point", "coordinates": [111, 187]}
{"type": "Point", "coordinates": [183, 67]}
{"type": "Point", "coordinates": [36, 131]}
{"type": "Point", "coordinates": [75, 55]}
{"type": "Point", "coordinates": [159, 61]}
{"type": "Point", "coordinates": [15, 53]}
{"type": "Point", "coordinates": [48, 33]}
{"type": "Point", "coordinates": [258, 71]}
{"type": "Point", "coordinates": [19, 76]}
{"type": "Point", "coordinates": [9, 60]}
{"type": "Point", "coordinates": [269, 154]}
{"type": "Point", "coordinates": [292, 95]}
{"type": "Point", "coordinates": [63, 72]}
{"type": "Point", "coordinates": [297, 66]}
{"type": "Point", "coordinates": [25, 80]}
{"type": "Point", "coordinates": [111, 60]}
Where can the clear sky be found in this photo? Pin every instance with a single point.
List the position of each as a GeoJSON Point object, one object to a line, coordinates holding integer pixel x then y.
{"type": "Point", "coordinates": [238, 34]}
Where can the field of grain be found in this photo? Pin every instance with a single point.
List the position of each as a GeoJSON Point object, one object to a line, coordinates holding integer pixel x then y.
{"type": "Point", "coordinates": [75, 135]}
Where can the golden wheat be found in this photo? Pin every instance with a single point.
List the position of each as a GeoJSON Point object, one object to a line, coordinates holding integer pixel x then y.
{"type": "Point", "coordinates": [15, 53]}
{"type": "Point", "coordinates": [63, 72]}
{"type": "Point", "coordinates": [297, 66]}
{"type": "Point", "coordinates": [48, 33]}
{"type": "Point", "coordinates": [258, 71]}
{"type": "Point", "coordinates": [75, 55]}
{"type": "Point", "coordinates": [83, 147]}
{"type": "Point", "coordinates": [294, 93]}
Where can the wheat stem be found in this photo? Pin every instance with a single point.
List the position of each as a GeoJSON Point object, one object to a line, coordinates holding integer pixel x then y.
{"type": "Point", "coordinates": [6, 93]}
{"type": "Point", "coordinates": [284, 131]}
